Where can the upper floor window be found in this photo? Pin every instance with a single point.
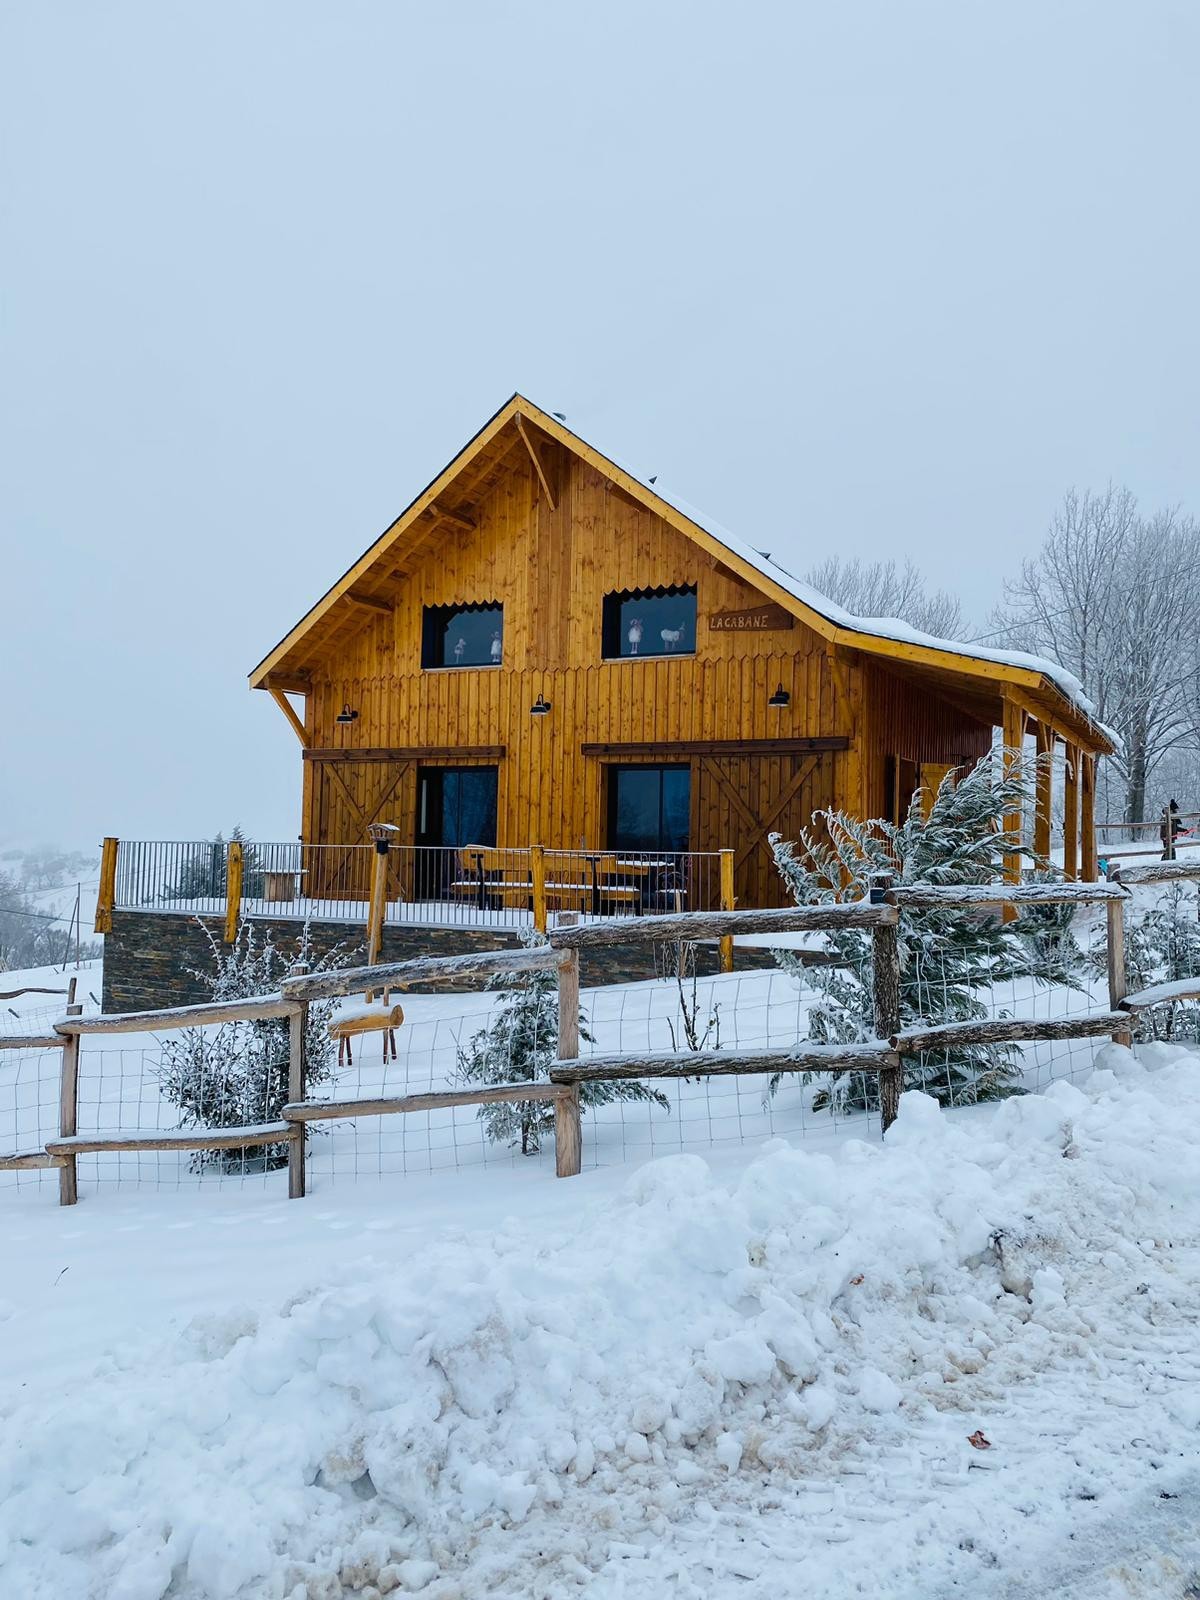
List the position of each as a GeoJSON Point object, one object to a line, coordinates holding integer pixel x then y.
{"type": "Point", "coordinates": [463, 636]}
{"type": "Point", "coordinates": [650, 622]}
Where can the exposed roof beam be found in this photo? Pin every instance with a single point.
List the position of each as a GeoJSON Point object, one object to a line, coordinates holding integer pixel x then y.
{"type": "Point", "coordinates": [535, 458]}
{"type": "Point", "coordinates": [372, 602]}
{"type": "Point", "coordinates": [289, 682]}
{"type": "Point", "coordinates": [437, 509]}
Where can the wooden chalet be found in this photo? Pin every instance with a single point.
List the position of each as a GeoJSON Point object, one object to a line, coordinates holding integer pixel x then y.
{"type": "Point", "coordinates": [544, 649]}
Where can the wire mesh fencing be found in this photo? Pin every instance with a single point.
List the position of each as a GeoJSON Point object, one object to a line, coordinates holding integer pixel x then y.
{"type": "Point", "coordinates": [131, 1083]}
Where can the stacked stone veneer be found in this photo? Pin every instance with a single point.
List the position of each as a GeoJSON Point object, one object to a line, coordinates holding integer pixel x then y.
{"type": "Point", "coordinates": [150, 956]}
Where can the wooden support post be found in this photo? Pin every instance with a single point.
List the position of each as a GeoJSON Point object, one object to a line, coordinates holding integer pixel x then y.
{"type": "Point", "coordinates": [728, 900]}
{"type": "Point", "coordinates": [1044, 791]}
{"type": "Point", "coordinates": [234, 866]}
{"type": "Point", "coordinates": [537, 876]}
{"type": "Point", "coordinates": [107, 888]}
{"type": "Point", "coordinates": [885, 982]}
{"type": "Point", "coordinates": [378, 902]}
{"type": "Point", "coordinates": [68, 1112]}
{"type": "Point", "coordinates": [568, 1131]}
{"type": "Point", "coordinates": [1071, 815]}
{"type": "Point", "coordinates": [1014, 744]}
{"type": "Point", "coordinates": [297, 1076]}
{"type": "Point", "coordinates": [285, 705]}
{"type": "Point", "coordinates": [1117, 985]}
{"type": "Point", "coordinates": [1087, 788]}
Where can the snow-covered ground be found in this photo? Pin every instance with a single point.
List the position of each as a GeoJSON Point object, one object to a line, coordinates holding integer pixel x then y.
{"type": "Point", "coordinates": [756, 1375]}
{"type": "Point", "coordinates": [754, 1366]}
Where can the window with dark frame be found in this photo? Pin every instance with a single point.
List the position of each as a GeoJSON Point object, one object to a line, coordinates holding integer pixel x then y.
{"type": "Point", "coordinates": [463, 636]}
{"type": "Point", "coordinates": [649, 808]}
{"type": "Point", "coordinates": [649, 622]}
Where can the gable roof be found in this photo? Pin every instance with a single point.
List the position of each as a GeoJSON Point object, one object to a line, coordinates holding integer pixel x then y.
{"type": "Point", "coordinates": [1052, 691]}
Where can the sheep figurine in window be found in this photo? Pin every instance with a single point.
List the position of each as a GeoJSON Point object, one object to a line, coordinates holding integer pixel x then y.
{"type": "Point", "coordinates": [497, 649]}
{"type": "Point", "coordinates": [460, 646]}
{"type": "Point", "coordinates": [634, 635]}
{"type": "Point", "coordinates": [671, 637]}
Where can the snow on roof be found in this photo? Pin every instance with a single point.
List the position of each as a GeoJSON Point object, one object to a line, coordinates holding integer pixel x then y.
{"type": "Point", "coordinates": [894, 628]}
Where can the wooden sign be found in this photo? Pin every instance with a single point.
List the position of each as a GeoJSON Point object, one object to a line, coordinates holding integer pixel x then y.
{"type": "Point", "coordinates": [763, 619]}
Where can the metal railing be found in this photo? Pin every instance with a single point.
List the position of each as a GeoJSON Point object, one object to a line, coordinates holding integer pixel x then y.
{"type": "Point", "coordinates": [468, 886]}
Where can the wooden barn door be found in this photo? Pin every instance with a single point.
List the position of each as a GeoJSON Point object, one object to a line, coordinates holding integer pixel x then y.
{"type": "Point", "coordinates": [742, 799]}
{"type": "Point", "coordinates": [347, 797]}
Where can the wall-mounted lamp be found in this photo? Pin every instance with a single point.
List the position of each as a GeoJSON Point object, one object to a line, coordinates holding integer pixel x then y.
{"type": "Point", "coordinates": [780, 699]}
{"type": "Point", "coordinates": [540, 707]}
{"type": "Point", "coordinates": [346, 715]}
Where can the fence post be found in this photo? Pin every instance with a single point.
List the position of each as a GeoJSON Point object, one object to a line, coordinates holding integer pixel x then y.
{"type": "Point", "coordinates": [1117, 985]}
{"type": "Point", "coordinates": [568, 1131]}
{"type": "Point", "coordinates": [297, 1084]}
{"type": "Point", "coordinates": [68, 1112]}
{"type": "Point", "coordinates": [885, 986]}
{"type": "Point", "coordinates": [107, 889]}
{"type": "Point", "coordinates": [537, 875]}
{"type": "Point", "coordinates": [727, 904]}
{"type": "Point", "coordinates": [234, 864]}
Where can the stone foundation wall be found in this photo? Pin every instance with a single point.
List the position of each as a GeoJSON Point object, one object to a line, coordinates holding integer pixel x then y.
{"type": "Point", "coordinates": [150, 956]}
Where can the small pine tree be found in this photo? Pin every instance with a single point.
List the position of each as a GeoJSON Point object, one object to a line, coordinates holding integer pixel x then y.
{"type": "Point", "coordinates": [1162, 945]}
{"type": "Point", "coordinates": [947, 955]}
{"type": "Point", "coordinates": [204, 871]}
{"type": "Point", "coordinates": [518, 1046]}
{"type": "Point", "coordinates": [237, 1075]}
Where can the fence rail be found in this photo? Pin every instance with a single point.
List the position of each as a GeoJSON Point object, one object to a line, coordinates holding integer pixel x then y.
{"type": "Point", "coordinates": [884, 1054]}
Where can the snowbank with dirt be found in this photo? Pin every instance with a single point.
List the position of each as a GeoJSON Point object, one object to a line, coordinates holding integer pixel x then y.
{"type": "Point", "coordinates": [715, 1384]}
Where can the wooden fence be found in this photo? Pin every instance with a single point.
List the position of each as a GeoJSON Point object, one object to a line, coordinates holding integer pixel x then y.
{"type": "Point", "coordinates": [885, 1054]}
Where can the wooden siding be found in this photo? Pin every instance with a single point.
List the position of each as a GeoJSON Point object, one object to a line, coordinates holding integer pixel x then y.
{"type": "Point", "coordinates": [551, 570]}
{"type": "Point", "coordinates": [908, 719]}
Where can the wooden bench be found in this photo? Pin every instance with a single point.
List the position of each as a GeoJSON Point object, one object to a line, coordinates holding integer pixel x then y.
{"type": "Point", "coordinates": [366, 1018]}
{"type": "Point", "coordinates": [585, 882]}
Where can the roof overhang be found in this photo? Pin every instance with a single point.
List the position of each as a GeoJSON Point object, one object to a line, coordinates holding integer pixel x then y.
{"type": "Point", "coordinates": [1042, 696]}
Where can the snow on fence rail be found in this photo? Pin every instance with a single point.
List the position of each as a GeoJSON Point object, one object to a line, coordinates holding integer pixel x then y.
{"type": "Point", "coordinates": [885, 1054]}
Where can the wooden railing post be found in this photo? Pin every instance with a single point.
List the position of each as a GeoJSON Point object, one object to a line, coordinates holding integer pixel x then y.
{"type": "Point", "coordinates": [885, 986]}
{"type": "Point", "coordinates": [1043, 791]}
{"type": "Point", "coordinates": [381, 834]}
{"type": "Point", "coordinates": [378, 901]}
{"type": "Point", "coordinates": [1118, 985]}
{"type": "Point", "coordinates": [1071, 815]}
{"type": "Point", "coordinates": [297, 1085]}
{"type": "Point", "coordinates": [1087, 791]}
{"type": "Point", "coordinates": [568, 1131]}
{"type": "Point", "coordinates": [727, 904]}
{"type": "Point", "coordinates": [234, 866]}
{"type": "Point", "coordinates": [107, 889]}
{"type": "Point", "coordinates": [68, 1112]}
{"type": "Point", "coordinates": [537, 876]}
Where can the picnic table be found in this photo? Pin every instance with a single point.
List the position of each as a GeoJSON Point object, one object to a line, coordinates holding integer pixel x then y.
{"type": "Point", "coordinates": [586, 880]}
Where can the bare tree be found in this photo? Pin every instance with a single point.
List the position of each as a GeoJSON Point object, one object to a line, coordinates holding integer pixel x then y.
{"type": "Point", "coordinates": [881, 589]}
{"type": "Point", "coordinates": [1115, 598]}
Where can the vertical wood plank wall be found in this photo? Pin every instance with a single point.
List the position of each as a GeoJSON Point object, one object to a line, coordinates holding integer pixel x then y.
{"type": "Point", "coordinates": [551, 571]}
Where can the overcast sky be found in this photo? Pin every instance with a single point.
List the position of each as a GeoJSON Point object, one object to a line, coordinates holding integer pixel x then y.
{"type": "Point", "coordinates": [860, 278]}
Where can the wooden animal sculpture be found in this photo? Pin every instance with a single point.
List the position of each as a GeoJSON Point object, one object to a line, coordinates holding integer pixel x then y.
{"type": "Point", "coordinates": [366, 1018]}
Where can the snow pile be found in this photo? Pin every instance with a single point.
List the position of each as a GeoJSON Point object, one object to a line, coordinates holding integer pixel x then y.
{"type": "Point", "coordinates": [513, 1417]}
